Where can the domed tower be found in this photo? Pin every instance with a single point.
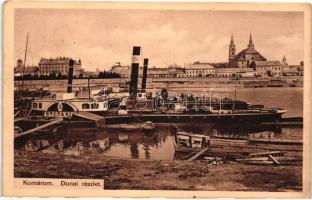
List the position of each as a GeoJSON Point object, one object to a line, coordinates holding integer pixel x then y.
{"type": "Point", "coordinates": [19, 63]}
{"type": "Point", "coordinates": [232, 52]}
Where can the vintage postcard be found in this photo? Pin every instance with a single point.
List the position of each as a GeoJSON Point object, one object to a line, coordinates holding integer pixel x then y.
{"type": "Point", "coordinates": [156, 99]}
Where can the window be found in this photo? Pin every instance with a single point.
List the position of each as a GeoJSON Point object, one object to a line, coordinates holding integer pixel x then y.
{"type": "Point", "coordinates": [35, 105]}
{"type": "Point", "coordinates": [94, 106]}
{"type": "Point", "coordinates": [85, 106]}
{"type": "Point", "coordinates": [40, 105]}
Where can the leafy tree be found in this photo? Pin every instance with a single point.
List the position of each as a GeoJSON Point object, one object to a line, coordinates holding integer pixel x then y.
{"type": "Point", "coordinates": [107, 75]}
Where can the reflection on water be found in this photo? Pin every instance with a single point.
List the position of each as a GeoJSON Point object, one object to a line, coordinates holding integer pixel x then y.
{"type": "Point", "coordinates": [139, 145]}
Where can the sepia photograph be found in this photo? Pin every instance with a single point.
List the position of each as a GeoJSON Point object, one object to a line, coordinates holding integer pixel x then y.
{"type": "Point", "coordinates": [163, 98]}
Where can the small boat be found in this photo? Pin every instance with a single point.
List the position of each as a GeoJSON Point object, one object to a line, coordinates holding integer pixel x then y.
{"type": "Point", "coordinates": [263, 158]}
{"type": "Point", "coordinates": [194, 142]}
{"type": "Point", "coordinates": [146, 126]}
{"type": "Point", "coordinates": [188, 142]}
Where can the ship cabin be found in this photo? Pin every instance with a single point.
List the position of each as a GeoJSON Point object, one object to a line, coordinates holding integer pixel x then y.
{"type": "Point", "coordinates": [64, 105]}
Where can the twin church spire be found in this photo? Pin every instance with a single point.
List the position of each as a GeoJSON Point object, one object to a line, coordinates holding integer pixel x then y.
{"type": "Point", "coordinates": [232, 47]}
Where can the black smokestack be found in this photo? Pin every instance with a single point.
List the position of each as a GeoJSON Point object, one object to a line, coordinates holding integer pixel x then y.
{"type": "Point", "coordinates": [134, 72]}
{"type": "Point", "coordinates": [145, 65]}
{"type": "Point", "coordinates": [70, 76]}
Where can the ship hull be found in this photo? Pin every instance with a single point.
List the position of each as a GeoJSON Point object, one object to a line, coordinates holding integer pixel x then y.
{"type": "Point", "coordinates": [197, 118]}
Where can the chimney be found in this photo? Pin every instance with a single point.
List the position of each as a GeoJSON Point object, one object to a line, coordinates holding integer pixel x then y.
{"type": "Point", "coordinates": [70, 76]}
{"type": "Point", "coordinates": [145, 65]}
{"type": "Point", "coordinates": [134, 72]}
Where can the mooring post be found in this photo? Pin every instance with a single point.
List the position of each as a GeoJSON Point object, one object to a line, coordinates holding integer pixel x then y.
{"type": "Point", "coordinates": [190, 139]}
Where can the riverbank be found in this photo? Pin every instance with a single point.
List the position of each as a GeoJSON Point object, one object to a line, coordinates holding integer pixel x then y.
{"type": "Point", "coordinates": [159, 175]}
{"type": "Point", "coordinates": [169, 83]}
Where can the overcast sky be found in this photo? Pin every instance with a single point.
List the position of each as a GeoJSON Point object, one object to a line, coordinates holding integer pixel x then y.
{"type": "Point", "coordinates": [101, 37]}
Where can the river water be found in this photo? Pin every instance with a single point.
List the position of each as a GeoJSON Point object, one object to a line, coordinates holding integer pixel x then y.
{"type": "Point", "coordinates": [290, 99]}
{"type": "Point", "coordinates": [158, 145]}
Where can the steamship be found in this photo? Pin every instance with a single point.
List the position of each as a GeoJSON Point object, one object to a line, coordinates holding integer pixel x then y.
{"type": "Point", "coordinates": [177, 109]}
{"type": "Point", "coordinates": [139, 106]}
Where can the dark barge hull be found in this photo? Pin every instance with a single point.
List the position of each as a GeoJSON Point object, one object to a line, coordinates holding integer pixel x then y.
{"type": "Point", "coordinates": [196, 118]}
{"type": "Point", "coordinates": [242, 118]}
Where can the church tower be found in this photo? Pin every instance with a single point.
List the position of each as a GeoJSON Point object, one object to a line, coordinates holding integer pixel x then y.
{"type": "Point", "coordinates": [19, 63]}
{"type": "Point", "coordinates": [232, 52]}
{"type": "Point", "coordinates": [284, 61]}
{"type": "Point", "coordinates": [251, 44]}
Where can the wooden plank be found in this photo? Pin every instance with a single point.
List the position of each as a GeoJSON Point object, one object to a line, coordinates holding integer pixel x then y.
{"type": "Point", "coordinates": [16, 113]}
{"type": "Point", "coordinates": [19, 119]}
{"type": "Point", "coordinates": [276, 141]}
{"type": "Point", "coordinates": [58, 120]}
{"type": "Point", "coordinates": [273, 159]}
{"type": "Point", "coordinates": [283, 123]}
{"type": "Point", "coordinates": [198, 154]}
{"type": "Point", "coordinates": [188, 156]}
{"type": "Point", "coordinates": [89, 116]}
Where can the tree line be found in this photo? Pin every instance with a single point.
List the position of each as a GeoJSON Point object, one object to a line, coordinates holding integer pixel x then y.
{"type": "Point", "coordinates": [59, 76]}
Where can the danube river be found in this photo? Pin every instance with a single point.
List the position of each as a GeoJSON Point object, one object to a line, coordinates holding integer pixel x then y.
{"type": "Point", "coordinates": [290, 99]}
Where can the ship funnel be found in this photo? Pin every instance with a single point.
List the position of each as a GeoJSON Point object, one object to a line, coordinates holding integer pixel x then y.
{"type": "Point", "coordinates": [70, 76]}
{"type": "Point", "coordinates": [134, 72]}
{"type": "Point", "coordinates": [145, 65]}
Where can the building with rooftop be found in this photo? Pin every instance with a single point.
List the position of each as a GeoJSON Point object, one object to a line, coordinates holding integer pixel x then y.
{"type": "Point", "coordinates": [19, 69]}
{"type": "Point", "coordinates": [123, 70]}
{"type": "Point", "coordinates": [59, 65]}
{"type": "Point", "coordinates": [197, 70]}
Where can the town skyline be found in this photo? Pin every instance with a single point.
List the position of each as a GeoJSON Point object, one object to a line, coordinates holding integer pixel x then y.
{"type": "Point", "coordinates": [165, 41]}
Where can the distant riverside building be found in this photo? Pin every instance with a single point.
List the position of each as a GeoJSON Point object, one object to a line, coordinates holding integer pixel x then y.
{"type": "Point", "coordinates": [270, 68]}
{"type": "Point", "coordinates": [152, 72]}
{"type": "Point", "coordinates": [86, 74]}
{"type": "Point", "coordinates": [163, 72]}
{"type": "Point", "coordinates": [29, 70]}
{"type": "Point", "coordinates": [229, 72]}
{"type": "Point", "coordinates": [123, 70]}
{"type": "Point", "coordinates": [197, 70]}
{"type": "Point", "coordinates": [292, 70]}
{"type": "Point", "coordinates": [301, 68]}
{"type": "Point", "coordinates": [58, 65]}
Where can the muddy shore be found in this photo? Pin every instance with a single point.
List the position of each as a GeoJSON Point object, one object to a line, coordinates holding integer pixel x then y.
{"type": "Point", "coordinates": [160, 175]}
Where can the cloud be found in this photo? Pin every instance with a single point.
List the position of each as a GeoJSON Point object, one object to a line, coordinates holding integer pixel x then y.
{"type": "Point", "coordinates": [289, 45]}
{"type": "Point", "coordinates": [101, 37]}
